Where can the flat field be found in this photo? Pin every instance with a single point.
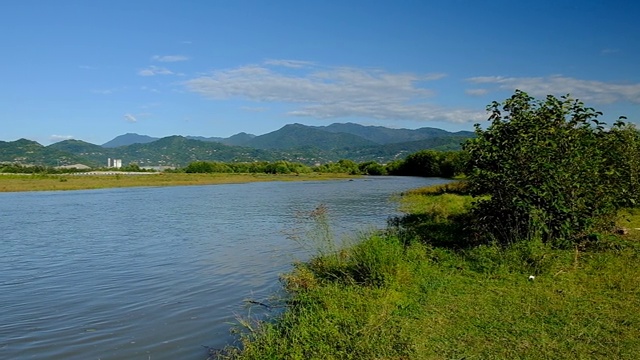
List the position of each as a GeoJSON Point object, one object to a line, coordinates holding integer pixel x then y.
{"type": "Point", "coordinates": [13, 183]}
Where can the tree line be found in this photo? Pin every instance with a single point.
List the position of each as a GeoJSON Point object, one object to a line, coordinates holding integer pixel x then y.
{"type": "Point", "coordinates": [15, 168]}
{"type": "Point", "coordinates": [428, 163]}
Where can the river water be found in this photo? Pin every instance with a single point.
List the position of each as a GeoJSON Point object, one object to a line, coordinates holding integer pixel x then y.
{"type": "Point", "coordinates": [158, 273]}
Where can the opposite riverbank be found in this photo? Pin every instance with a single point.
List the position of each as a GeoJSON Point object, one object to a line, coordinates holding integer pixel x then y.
{"type": "Point", "coordinates": [28, 182]}
{"type": "Point", "coordinates": [415, 291]}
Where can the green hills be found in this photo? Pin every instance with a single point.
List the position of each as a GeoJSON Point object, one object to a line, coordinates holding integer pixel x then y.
{"type": "Point", "coordinates": [293, 142]}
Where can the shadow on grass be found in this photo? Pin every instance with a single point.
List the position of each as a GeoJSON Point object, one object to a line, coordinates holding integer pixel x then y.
{"type": "Point", "coordinates": [451, 232]}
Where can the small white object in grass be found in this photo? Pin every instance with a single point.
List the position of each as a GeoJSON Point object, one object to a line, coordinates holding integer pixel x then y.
{"type": "Point", "coordinates": [531, 277]}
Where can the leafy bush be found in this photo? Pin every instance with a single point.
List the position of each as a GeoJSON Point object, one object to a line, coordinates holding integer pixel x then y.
{"type": "Point", "coordinates": [286, 167]}
{"type": "Point", "coordinates": [430, 163]}
{"type": "Point", "coordinates": [623, 147]}
{"type": "Point", "coordinates": [547, 169]}
{"type": "Point", "coordinates": [208, 167]}
{"type": "Point", "coordinates": [372, 168]}
{"type": "Point", "coordinates": [343, 166]}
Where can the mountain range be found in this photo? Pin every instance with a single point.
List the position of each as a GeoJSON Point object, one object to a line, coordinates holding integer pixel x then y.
{"type": "Point", "coordinates": [293, 142]}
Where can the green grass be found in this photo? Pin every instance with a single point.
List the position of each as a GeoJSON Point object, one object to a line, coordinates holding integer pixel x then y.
{"type": "Point", "coordinates": [389, 297]}
{"type": "Point", "coordinates": [630, 220]}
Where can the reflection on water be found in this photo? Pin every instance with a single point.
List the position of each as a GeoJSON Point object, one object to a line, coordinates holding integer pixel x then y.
{"type": "Point", "coordinates": [155, 273]}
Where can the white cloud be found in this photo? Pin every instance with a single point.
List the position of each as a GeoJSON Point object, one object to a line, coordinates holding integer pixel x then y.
{"type": "Point", "coordinates": [585, 90]}
{"type": "Point", "coordinates": [289, 63]}
{"type": "Point", "coordinates": [154, 70]}
{"type": "Point", "coordinates": [169, 58]}
{"type": "Point", "coordinates": [56, 138]}
{"type": "Point", "coordinates": [331, 92]}
{"type": "Point", "coordinates": [130, 118]}
{"type": "Point", "coordinates": [386, 111]}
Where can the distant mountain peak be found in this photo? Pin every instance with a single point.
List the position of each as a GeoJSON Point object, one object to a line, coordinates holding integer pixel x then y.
{"type": "Point", "coordinates": [128, 139]}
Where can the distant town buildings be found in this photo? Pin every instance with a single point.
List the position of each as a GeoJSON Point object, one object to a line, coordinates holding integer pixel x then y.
{"type": "Point", "coordinates": [114, 163]}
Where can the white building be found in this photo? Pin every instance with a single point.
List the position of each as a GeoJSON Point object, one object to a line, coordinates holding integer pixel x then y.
{"type": "Point", "coordinates": [114, 163]}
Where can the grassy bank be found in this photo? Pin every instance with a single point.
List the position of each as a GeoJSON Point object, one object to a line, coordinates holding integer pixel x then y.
{"type": "Point", "coordinates": [12, 183]}
{"type": "Point", "coordinates": [408, 294]}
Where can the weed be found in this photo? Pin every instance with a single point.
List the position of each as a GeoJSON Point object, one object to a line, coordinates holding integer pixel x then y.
{"type": "Point", "coordinates": [409, 294]}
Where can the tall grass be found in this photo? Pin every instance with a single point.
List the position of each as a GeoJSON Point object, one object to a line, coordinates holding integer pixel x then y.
{"type": "Point", "coordinates": [398, 295]}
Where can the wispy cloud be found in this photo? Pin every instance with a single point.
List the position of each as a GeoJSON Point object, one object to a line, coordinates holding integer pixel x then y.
{"type": "Point", "coordinates": [56, 138]}
{"type": "Point", "coordinates": [102, 91]}
{"type": "Point", "coordinates": [169, 58]}
{"type": "Point", "coordinates": [585, 90]}
{"type": "Point", "coordinates": [130, 118]}
{"type": "Point", "coordinates": [331, 92]}
{"type": "Point", "coordinates": [255, 109]}
{"type": "Point", "coordinates": [289, 63]}
{"type": "Point", "coordinates": [155, 70]}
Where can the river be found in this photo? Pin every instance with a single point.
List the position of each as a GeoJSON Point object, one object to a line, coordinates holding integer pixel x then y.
{"type": "Point", "coordinates": [159, 272]}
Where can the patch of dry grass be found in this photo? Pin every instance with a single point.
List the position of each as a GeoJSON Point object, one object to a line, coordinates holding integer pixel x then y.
{"type": "Point", "coordinates": [15, 183]}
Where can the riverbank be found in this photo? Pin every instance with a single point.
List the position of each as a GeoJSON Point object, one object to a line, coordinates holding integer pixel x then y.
{"type": "Point", "coordinates": [14, 183]}
{"type": "Point", "coordinates": [413, 293]}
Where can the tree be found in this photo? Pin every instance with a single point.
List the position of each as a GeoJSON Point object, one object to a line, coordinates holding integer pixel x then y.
{"type": "Point", "coordinates": [430, 163]}
{"type": "Point", "coordinates": [132, 167]}
{"type": "Point", "coordinates": [208, 167]}
{"type": "Point", "coordinates": [452, 163]}
{"type": "Point", "coordinates": [348, 166]}
{"type": "Point", "coordinates": [343, 166]}
{"type": "Point", "coordinates": [371, 168]}
{"type": "Point", "coordinates": [278, 167]}
{"type": "Point", "coordinates": [546, 170]}
{"type": "Point", "coordinates": [424, 163]}
{"type": "Point", "coordinates": [623, 147]}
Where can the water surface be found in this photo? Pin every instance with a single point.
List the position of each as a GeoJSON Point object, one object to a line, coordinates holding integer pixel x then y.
{"type": "Point", "coordinates": [155, 273]}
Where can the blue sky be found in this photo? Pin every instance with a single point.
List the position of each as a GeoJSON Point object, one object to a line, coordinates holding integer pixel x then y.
{"type": "Point", "coordinates": [93, 70]}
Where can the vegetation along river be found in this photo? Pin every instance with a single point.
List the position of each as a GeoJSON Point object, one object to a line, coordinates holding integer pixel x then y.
{"type": "Point", "coordinates": [157, 272]}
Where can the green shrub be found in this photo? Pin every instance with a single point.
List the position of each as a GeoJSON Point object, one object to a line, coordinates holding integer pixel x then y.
{"type": "Point", "coordinates": [372, 168]}
{"type": "Point", "coordinates": [208, 167]}
{"type": "Point", "coordinates": [546, 167]}
{"type": "Point", "coordinates": [430, 163]}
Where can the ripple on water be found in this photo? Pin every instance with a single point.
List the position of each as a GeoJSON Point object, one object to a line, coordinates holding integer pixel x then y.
{"type": "Point", "coordinates": [156, 272]}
